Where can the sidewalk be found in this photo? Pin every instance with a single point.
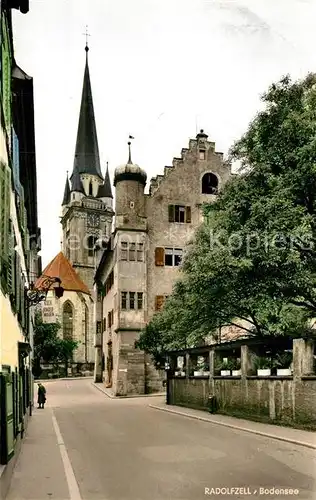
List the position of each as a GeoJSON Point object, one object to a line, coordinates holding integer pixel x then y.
{"type": "Point", "coordinates": [39, 472]}
{"type": "Point", "coordinates": [287, 434]}
{"type": "Point", "coordinates": [109, 392]}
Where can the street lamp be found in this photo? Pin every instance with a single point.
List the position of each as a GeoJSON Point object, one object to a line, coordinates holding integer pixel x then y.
{"type": "Point", "coordinates": [36, 295]}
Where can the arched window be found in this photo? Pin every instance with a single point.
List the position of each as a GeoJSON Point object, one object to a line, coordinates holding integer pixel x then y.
{"type": "Point", "coordinates": [91, 243]}
{"type": "Point", "coordinates": [68, 318]}
{"type": "Point", "coordinates": [209, 183]}
{"type": "Point", "coordinates": [90, 189]}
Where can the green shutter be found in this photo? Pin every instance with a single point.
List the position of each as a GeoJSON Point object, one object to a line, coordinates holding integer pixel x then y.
{"type": "Point", "coordinates": [18, 283]}
{"type": "Point", "coordinates": [6, 76]}
{"type": "Point", "coordinates": [5, 194]}
{"type": "Point", "coordinates": [11, 269]}
{"type": "Point", "coordinates": [23, 301]}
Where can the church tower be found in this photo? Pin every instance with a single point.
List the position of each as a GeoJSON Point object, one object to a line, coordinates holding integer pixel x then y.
{"type": "Point", "coordinates": [87, 207]}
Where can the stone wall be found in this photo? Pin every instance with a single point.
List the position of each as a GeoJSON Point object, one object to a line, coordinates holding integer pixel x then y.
{"type": "Point", "coordinates": [284, 399]}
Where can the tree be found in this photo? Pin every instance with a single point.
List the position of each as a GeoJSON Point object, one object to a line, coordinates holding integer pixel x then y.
{"type": "Point", "coordinates": [254, 259]}
{"type": "Point", "coordinates": [48, 346]}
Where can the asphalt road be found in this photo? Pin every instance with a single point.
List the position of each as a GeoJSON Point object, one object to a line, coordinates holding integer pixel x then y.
{"type": "Point", "coordinates": [120, 449]}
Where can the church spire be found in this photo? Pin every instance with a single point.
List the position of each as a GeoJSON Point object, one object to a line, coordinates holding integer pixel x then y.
{"type": "Point", "coordinates": [76, 183]}
{"type": "Point", "coordinates": [105, 190]}
{"type": "Point", "coordinates": [87, 159]}
{"type": "Point", "coordinates": [66, 198]}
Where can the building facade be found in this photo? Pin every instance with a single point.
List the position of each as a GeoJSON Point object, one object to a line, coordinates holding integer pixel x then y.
{"type": "Point", "coordinates": [73, 311]}
{"type": "Point", "coordinates": [19, 237]}
{"type": "Point", "coordinates": [137, 270]}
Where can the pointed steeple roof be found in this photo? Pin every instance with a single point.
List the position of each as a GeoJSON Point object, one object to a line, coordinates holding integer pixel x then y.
{"type": "Point", "coordinates": [105, 190]}
{"type": "Point", "coordinates": [66, 198]}
{"type": "Point", "coordinates": [61, 268]}
{"type": "Point", "coordinates": [87, 159]}
{"type": "Point", "coordinates": [76, 183]}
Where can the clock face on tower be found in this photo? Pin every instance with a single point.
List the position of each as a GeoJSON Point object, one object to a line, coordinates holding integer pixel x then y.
{"type": "Point", "coordinates": [93, 220]}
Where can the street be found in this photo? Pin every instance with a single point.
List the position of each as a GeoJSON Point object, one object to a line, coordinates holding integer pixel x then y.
{"type": "Point", "coordinates": [86, 446]}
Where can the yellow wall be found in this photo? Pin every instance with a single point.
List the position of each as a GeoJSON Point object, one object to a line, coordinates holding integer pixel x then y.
{"type": "Point", "coordinates": [10, 334]}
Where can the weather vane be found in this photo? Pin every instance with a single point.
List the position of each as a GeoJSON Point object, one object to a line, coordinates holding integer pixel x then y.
{"type": "Point", "coordinates": [86, 34]}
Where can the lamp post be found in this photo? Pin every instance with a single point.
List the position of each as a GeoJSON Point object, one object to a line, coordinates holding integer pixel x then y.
{"type": "Point", "coordinates": [36, 295]}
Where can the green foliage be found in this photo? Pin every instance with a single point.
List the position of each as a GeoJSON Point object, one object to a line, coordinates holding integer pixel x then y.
{"type": "Point", "coordinates": [262, 363]}
{"type": "Point", "coordinates": [48, 346]}
{"type": "Point", "coordinates": [283, 360]}
{"type": "Point", "coordinates": [253, 261]}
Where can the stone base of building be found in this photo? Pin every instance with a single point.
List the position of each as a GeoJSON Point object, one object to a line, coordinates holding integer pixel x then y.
{"type": "Point", "coordinates": [136, 375]}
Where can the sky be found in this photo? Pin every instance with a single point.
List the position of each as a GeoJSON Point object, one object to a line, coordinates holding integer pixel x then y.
{"type": "Point", "coordinates": [160, 71]}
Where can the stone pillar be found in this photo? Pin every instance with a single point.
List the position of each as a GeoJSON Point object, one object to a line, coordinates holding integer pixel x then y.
{"type": "Point", "coordinates": [212, 362]}
{"type": "Point", "coordinates": [308, 360]}
{"type": "Point", "coordinates": [303, 360]}
{"type": "Point", "coordinates": [246, 361]}
{"type": "Point", "coordinates": [187, 365]}
{"type": "Point", "coordinates": [298, 356]}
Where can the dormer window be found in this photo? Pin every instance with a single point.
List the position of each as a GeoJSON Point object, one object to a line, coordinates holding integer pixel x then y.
{"type": "Point", "coordinates": [201, 154]}
{"type": "Point", "coordinates": [209, 183]}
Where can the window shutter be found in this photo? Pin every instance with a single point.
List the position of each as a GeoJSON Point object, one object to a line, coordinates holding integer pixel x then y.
{"type": "Point", "coordinates": [159, 302]}
{"type": "Point", "coordinates": [171, 213]}
{"type": "Point", "coordinates": [11, 259]}
{"type": "Point", "coordinates": [18, 283]}
{"type": "Point", "coordinates": [159, 256]}
{"type": "Point", "coordinates": [5, 192]}
{"type": "Point", "coordinates": [188, 214]}
{"type": "Point", "coordinates": [22, 302]}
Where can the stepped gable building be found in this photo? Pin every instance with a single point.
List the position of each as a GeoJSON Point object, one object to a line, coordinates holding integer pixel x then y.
{"type": "Point", "coordinates": [137, 270]}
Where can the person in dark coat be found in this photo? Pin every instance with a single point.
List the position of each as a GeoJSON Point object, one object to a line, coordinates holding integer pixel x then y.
{"type": "Point", "coordinates": [41, 396]}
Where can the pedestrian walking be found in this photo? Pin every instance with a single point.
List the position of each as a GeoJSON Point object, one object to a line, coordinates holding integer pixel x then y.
{"type": "Point", "coordinates": [41, 396]}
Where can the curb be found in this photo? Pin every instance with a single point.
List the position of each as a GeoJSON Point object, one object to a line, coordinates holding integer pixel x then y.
{"type": "Point", "coordinates": [63, 378]}
{"type": "Point", "coordinates": [101, 390]}
{"type": "Point", "coordinates": [231, 426]}
{"type": "Point", "coordinates": [111, 396]}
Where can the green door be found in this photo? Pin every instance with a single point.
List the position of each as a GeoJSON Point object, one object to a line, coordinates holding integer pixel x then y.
{"type": "Point", "coordinates": [7, 418]}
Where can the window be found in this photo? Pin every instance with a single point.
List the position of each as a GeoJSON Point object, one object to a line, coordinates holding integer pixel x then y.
{"type": "Point", "coordinates": [90, 189]}
{"type": "Point", "coordinates": [68, 321]}
{"type": "Point", "coordinates": [124, 248]}
{"type": "Point", "coordinates": [109, 282]}
{"type": "Point", "coordinates": [179, 213]}
{"type": "Point", "coordinates": [160, 301]}
{"type": "Point", "coordinates": [139, 300]}
{"type": "Point", "coordinates": [104, 324]}
{"type": "Point", "coordinates": [124, 300]}
{"type": "Point", "coordinates": [91, 243]}
{"type": "Point", "coordinates": [131, 253]}
{"type": "Point", "coordinates": [202, 154]}
{"type": "Point", "coordinates": [140, 252]}
{"type": "Point", "coordinates": [110, 318]}
{"type": "Point", "coordinates": [209, 183]}
{"type": "Point", "coordinates": [132, 300]}
{"type": "Point", "coordinates": [168, 256]}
